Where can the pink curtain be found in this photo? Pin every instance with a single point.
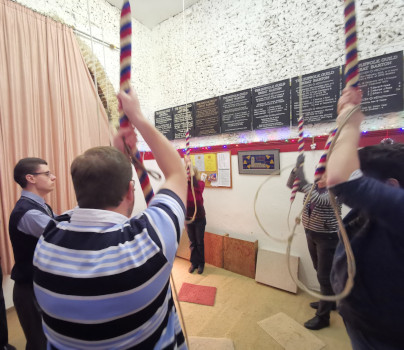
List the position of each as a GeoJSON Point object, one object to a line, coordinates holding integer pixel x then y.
{"type": "Point", "coordinates": [49, 107]}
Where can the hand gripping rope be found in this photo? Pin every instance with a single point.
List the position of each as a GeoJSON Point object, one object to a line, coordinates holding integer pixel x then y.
{"type": "Point", "coordinates": [351, 73]}
{"type": "Point", "coordinates": [190, 172]}
{"type": "Point", "coordinates": [352, 80]}
{"type": "Point", "coordinates": [125, 73]}
{"type": "Point", "coordinates": [125, 70]}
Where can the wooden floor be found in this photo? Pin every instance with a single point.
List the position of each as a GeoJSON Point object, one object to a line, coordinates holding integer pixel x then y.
{"type": "Point", "coordinates": [240, 303]}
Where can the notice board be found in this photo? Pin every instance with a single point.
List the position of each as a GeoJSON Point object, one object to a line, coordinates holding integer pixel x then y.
{"type": "Point", "coordinates": [163, 120]}
{"type": "Point", "coordinates": [271, 105]}
{"type": "Point", "coordinates": [214, 168]}
{"type": "Point", "coordinates": [381, 81]}
{"type": "Point", "coordinates": [320, 94]}
{"type": "Point", "coordinates": [183, 120]}
{"type": "Point", "coordinates": [235, 111]}
{"type": "Point", "coordinates": [207, 117]}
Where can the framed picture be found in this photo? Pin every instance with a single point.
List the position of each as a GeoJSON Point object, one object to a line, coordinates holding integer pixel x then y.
{"type": "Point", "coordinates": [262, 162]}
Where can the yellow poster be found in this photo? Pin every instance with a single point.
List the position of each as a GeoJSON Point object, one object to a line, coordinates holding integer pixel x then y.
{"type": "Point", "coordinates": [210, 162]}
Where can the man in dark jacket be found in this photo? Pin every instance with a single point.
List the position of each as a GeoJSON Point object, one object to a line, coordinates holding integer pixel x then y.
{"type": "Point", "coordinates": [371, 182]}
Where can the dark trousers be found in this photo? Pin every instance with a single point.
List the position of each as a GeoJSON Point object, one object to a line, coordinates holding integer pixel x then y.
{"type": "Point", "coordinates": [196, 234]}
{"type": "Point", "coordinates": [29, 314]}
{"type": "Point", "coordinates": [3, 316]}
{"type": "Point", "coordinates": [322, 248]}
{"type": "Point", "coordinates": [362, 341]}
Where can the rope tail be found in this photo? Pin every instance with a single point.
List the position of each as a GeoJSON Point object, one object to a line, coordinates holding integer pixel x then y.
{"type": "Point", "coordinates": [125, 75]}
{"type": "Point", "coordinates": [351, 73]}
{"type": "Point", "coordinates": [296, 183]}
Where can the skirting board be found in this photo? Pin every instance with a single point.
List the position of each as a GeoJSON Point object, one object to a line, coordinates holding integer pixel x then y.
{"type": "Point", "coordinates": [272, 270]}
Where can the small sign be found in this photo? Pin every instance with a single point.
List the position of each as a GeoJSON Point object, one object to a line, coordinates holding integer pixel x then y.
{"type": "Point", "coordinates": [381, 80]}
{"type": "Point", "coordinates": [320, 94]}
{"type": "Point", "coordinates": [207, 117]}
{"type": "Point", "coordinates": [262, 162]}
{"type": "Point", "coordinates": [271, 105]}
{"type": "Point", "coordinates": [163, 121]}
{"type": "Point", "coordinates": [183, 120]}
{"type": "Point", "coordinates": [235, 111]}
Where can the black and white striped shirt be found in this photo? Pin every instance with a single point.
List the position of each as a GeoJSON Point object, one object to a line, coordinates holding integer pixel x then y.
{"type": "Point", "coordinates": [102, 280]}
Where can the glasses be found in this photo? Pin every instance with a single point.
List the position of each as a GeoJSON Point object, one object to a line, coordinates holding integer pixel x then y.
{"type": "Point", "coordinates": [47, 173]}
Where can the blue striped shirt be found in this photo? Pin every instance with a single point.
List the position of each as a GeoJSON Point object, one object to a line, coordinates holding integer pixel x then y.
{"type": "Point", "coordinates": [34, 221]}
{"type": "Point", "coordinates": [102, 280]}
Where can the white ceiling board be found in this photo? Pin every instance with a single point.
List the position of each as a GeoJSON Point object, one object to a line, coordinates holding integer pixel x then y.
{"type": "Point", "coordinates": [152, 12]}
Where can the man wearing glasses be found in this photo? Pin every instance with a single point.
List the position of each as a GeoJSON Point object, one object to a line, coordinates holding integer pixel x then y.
{"type": "Point", "coordinates": [28, 220]}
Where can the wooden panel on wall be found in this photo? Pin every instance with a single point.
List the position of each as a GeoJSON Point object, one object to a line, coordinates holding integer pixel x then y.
{"type": "Point", "coordinates": [272, 270]}
{"type": "Point", "coordinates": [240, 256]}
{"type": "Point", "coordinates": [214, 249]}
{"type": "Point", "coordinates": [183, 248]}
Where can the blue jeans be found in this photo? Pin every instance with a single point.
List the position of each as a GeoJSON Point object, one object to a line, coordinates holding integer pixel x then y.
{"type": "Point", "coordinates": [196, 234]}
{"type": "Point", "coordinates": [362, 341]}
{"type": "Point", "coordinates": [322, 248]}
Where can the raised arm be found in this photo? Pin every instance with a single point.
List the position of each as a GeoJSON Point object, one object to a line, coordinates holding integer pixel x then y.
{"type": "Point", "coordinates": [344, 160]}
{"type": "Point", "coordinates": [297, 172]}
{"type": "Point", "coordinates": [166, 156]}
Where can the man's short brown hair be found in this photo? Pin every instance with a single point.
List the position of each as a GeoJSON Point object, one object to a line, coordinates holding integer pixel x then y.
{"type": "Point", "coordinates": [383, 161]}
{"type": "Point", "coordinates": [101, 177]}
{"type": "Point", "coordinates": [26, 166]}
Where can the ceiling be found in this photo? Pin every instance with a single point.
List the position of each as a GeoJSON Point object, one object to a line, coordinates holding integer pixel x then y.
{"type": "Point", "coordinates": [152, 12]}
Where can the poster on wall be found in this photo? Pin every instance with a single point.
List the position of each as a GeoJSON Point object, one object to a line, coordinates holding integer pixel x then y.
{"type": "Point", "coordinates": [271, 105]}
{"type": "Point", "coordinates": [163, 120]}
{"type": "Point", "coordinates": [320, 94]}
{"type": "Point", "coordinates": [207, 117]}
{"type": "Point", "coordinates": [235, 111]}
{"type": "Point", "coordinates": [214, 168]}
{"type": "Point", "coordinates": [223, 170]}
{"type": "Point", "coordinates": [183, 119]}
{"type": "Point", "coordinates": [381, 80]}
{"type": "Point", "coordinates": [262, 162]}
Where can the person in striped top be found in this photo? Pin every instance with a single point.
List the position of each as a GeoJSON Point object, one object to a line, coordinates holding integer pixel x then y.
{"type": "Point", "coordinates": [102, 277]}
{"type": "Point", "coordinates": [321, 227]}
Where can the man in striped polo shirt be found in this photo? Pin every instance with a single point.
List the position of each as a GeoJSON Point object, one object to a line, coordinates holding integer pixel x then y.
{"type": "Point", "coordinates": [102, 278]}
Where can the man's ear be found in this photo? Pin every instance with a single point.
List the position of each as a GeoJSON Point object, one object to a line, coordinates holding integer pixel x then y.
{"type": "Point", "coordinates": [30, 178]}
{"type": "Point", "coordinates": [392, 182]}
{"type": "Point", "coordinates": [131, 190]}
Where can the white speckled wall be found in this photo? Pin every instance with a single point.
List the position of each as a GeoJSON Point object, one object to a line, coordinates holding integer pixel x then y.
{"type": "Point", "coordinates": [221, 46]}
{"type": "Point", "coordinates": [230, 45]}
